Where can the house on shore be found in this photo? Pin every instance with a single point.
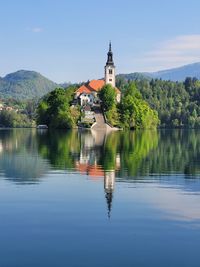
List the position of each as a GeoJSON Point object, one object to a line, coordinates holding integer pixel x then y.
{"type": "Point", "coordinates": [88, 92]}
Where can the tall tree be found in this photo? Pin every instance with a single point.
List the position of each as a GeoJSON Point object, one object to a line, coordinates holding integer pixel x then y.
{"type": "Point", "coordinates": [108, 96]}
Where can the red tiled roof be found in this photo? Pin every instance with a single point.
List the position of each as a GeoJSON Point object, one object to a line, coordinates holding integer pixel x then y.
{"type": "Point", "coordinates": [95, 171]}
{"type": "Point", "coordinates": [91, 170]}
{"type": "Point", "coordinates": [96, 84]}
{"type": "Point", "coordinates": [84, 89]}
{"type": "Point", "coordinates": [81, 167]}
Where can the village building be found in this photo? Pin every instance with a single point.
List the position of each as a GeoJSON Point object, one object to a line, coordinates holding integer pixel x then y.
{"type": "Point", "coordinates": [88, 93]}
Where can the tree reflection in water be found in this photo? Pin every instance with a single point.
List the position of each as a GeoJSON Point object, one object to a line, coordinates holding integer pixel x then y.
{"type": "Point", "coordinates": [27, 155]}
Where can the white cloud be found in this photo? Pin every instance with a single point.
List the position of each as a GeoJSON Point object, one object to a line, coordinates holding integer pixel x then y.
{"type": "Point", "coordinates": [177, 204]}
{"type": "Point", "coordinates": [183, 49]}
{"type": "Point", "coordinates": [37, 29]}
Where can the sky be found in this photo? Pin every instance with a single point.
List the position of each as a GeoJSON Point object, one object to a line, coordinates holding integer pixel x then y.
{"type": "Point", "coordinates": [67, 40]}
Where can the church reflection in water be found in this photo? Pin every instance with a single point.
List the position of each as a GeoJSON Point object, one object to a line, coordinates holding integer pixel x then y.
{"type": "Point", "coordinates": [27, 155]}
{"type": "Point", "coordinates": [89, 161]}
{"type": "Point", "coordinates": [109, 182]}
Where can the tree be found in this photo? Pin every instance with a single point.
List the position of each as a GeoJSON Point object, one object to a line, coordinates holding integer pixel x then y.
{"type": "Point", "coordinates": [54, 109]}
{"type": "Point", "coordinates": [14, 119]}
{"type": "Point", "coordinates": [135, 112]}
{"type": "Point", "coordinates": [108, 96]}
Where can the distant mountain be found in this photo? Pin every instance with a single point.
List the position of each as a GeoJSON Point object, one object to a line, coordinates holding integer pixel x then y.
{"type": "Point", "coordinates": [135, 76]}
{"type": "Point", "coordinates": [178, 74]}
{"type": "Point", "coordinates": [175, 74]}
{"type": "Point", "coordinates": [66, 84]}
{"type": "Point", "coordinates": [25, 84]}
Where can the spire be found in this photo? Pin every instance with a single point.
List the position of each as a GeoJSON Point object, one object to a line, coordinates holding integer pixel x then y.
{"type": "Point", "coordinates": [110, 61]}
{"type": "Point", "coordinates": [109, 197]}
{"type": "Point", "coordinates": [110, 47]}
{"type": "Point", "coordinates": [109, 181]}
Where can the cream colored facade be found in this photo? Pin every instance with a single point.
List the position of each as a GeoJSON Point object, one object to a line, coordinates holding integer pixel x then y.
{"type": "Point", "coordinates": [110, 75]}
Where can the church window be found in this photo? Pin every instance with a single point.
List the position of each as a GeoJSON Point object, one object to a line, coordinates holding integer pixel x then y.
{"type": "Point", "coordinates": [110, 80]}
{"type": "Point", "coordinates": [110, 71]}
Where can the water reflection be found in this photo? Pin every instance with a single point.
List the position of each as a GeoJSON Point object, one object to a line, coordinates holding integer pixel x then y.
{"type": "Point", "coordinates": [58, 190]}
{"type": "Point", "coordinates": [19, 158]}
{"type": "Point", "coordinates": [109, 183]}
{"type": "Point", "coordinates": [143, 156]}
{"type": "Point", "coordinates": [128, 155]}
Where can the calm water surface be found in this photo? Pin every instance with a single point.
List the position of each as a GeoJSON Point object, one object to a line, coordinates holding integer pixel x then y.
{"type": "Point", "coordinates": [90, 199]}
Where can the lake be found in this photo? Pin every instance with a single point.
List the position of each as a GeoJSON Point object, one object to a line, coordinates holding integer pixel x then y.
{"type": "Point", "coordinates": [70, 198]}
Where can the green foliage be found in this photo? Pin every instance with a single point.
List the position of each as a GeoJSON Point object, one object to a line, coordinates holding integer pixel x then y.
{"type": "Point", "coordinates": [14, 119]}
{"type": "Point", "coordinates": [135, 112]}
{"type": "Point", "coordinates": [42, 112]}
{"type": "Point", "coordinates": [178, 151]}
{"type": "Point", "coordinates": [59, 148]}
{"type": "Point", "coordinates": [112, 116]}
{"type": "Point", "coordinates": [177, 103]}
{"type": "Point", "coordinates": [108, 96]}
{"type": "Point", "coordinates": [55, 111]}
{"type": "Point", "coordinates": [131, 90]}
{"type": "Point", "coordinates": [123, 78]}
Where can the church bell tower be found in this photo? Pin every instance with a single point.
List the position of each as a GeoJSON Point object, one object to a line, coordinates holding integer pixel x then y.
{"type": "Point", "coordinates": [110, 68]}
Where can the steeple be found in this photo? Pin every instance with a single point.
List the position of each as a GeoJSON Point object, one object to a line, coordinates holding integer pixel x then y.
{"type": "Point", "coordinates": [109, 182]}
{"type": "Point", "coordinates": [110, 68]}
{"type": "Point", "coordinates": [109, 197]}
{"type": "Point", "coordinates": [110, 56]}
{"type": "Point", "coordinates": [110, 47]}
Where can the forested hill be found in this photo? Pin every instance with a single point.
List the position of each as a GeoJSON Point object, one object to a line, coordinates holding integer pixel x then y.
{"type": "Point", "coordinates": [177, 103]}
{"type": "Point", "coordinates": [25, 84]}
{"type": "Point", "coordinates": [175, 74]}
{"type": "Point", "coordinates": [134, 76]}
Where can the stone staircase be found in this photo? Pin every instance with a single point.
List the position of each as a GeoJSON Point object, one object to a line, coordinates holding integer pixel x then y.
{"type": "Point", "coordinates": [100, 122]}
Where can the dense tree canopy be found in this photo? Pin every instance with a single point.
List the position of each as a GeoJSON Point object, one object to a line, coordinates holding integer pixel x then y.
{"type": "Point", "coordinates": [55, 110]}
{"type": "Point", "coordinates": [133, 112]}
{"type": "Point", "coordinates": [14, 119]}
{"type": "Point", "coordinates": [108, 96]}
{"type": "Point", "coordinates": [17, 113]}
{"type": "Point", "coordinates": [177, 103]}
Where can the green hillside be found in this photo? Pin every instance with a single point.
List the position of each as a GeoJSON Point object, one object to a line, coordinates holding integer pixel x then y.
{"type": "Point", "coordinates": [25, 85]}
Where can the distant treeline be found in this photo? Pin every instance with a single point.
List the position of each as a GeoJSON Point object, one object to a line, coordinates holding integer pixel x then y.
{"type": "Point", "coordinates": [17, 113]}
{"type": "Point", "coordinates": [177, 103]}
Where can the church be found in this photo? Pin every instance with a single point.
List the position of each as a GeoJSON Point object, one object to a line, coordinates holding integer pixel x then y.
{"type": "Point", "coordinates": [88, 93]}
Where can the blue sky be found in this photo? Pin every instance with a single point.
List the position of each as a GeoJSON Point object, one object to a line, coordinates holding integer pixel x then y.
{"type": "Point", "coordinates": [68, 40]}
